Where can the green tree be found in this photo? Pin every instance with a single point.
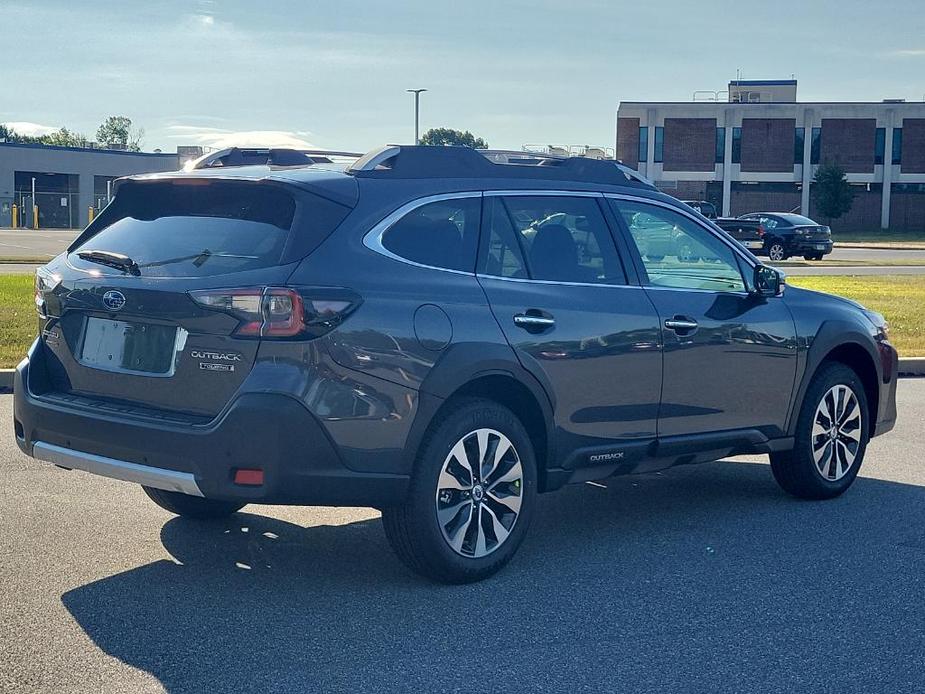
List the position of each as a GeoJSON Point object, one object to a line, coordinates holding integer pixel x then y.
{"type": "Point", "coordinates": [118, 131]}
{"type": "Point", "coordinates": [65, 138]}
{"type": "Point", "coordinates": [831, 192]}
{"type": "Point", "coordinates": [448, 136]}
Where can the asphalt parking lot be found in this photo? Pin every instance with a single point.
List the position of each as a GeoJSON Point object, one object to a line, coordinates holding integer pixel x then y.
{"type": "Point", "coordinates": [705, 578]}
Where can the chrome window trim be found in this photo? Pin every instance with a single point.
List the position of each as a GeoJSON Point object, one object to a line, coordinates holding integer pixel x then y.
{"type": "Point", "coordinates": [547, 193]}
{"type": "Point", "coordinates": [373, 238]}
{"type": "Point", "coordinates": [481, 275]}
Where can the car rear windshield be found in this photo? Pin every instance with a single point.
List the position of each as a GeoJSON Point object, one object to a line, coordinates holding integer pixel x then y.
{"type": "Point", "coordinates": [194, 229]}
{"type": "Point", "coordinates": [798, 220]}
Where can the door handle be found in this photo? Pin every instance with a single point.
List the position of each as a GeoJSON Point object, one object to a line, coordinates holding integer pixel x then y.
{"type": "Point", "coordinates": [532, 321]}
{"type": "Point", "coordinates": [681, 325]}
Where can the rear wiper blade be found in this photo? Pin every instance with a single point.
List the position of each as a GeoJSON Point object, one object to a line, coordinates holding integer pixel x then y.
{"type": "Point", "coordinates": [116, 260]}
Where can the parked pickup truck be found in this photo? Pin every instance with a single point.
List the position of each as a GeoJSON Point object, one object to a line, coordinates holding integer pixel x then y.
{"type": "Point", "coordinates": [748, 232]}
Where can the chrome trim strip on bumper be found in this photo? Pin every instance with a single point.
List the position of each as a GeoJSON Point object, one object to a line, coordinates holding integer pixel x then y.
{"type": "Point", "coordinates": [159, 478]}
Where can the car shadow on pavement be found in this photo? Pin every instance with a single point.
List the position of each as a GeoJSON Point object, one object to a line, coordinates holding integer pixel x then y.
{"type": "Point", "coordinates": [700, 579]}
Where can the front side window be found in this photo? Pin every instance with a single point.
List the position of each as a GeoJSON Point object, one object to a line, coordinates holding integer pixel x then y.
{"type": "Point", "coordinates": [677, 252]}
{"type": "Point", "coordinates": [554, 238]}
{"type": "Point", "coordinates": [441, 234]}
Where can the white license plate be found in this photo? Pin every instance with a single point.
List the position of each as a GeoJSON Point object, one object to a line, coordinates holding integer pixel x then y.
{"type": "Point", "coordinates": [115, 345]}
{"type": "Point", "coordinates": [821, 246]}
{"type": "Point", "coordinates": [753, 244]}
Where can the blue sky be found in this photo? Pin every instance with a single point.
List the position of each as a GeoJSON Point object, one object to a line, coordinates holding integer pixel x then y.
{"type": "Point", "coordinates": [333, 74]}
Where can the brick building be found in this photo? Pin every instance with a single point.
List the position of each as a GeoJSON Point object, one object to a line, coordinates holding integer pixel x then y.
{"type": "Point", "coordinates": [758, 151]}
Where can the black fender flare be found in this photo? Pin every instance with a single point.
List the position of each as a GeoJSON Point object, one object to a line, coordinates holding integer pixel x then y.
{"type": "Point", "coordinates": [831, 335]}
{"type": "Point", "coordinates": [461, 364]}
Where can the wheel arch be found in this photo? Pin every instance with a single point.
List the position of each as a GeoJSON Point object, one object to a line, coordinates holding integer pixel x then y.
{"type": "Point", "coordinates": [491, 372]}
{"type": "Point", "coordinates": [842, 343]}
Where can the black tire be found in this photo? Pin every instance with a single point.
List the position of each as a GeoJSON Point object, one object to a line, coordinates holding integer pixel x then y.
{"type": "Point", "coordinates": [192, 506]}
{"type": "Point", "coordinates": [777, 251]}
{"type": "Point", "coordinates": [655, 258]}
{"type": "Point", "coordinates": [796, 471]}
{"type": "Point", "coordinates": [813, 256]}
{"type": "Point", "coordinates": [413, 529]}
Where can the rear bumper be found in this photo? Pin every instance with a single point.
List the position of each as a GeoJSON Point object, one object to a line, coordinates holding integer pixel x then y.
{"type": "Point", "coordinates": [270, 431]}
{"type": "Point", "coordinates": [807, 247]}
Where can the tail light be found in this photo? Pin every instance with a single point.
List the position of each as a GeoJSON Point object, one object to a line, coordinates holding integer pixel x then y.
{"type": "Point", "coordinates": [761, 231]}
{"type": "Point", "coordinates": [44, 282]}
{"type": "Point", "coordinates": [281, 312]}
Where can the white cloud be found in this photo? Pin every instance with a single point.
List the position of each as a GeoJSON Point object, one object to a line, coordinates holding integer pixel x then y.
{"type": "Point", "coordinates": [909, 52]}
{"type": "Point", "coordinates": [219, 138]}
{"type": "Point", "coordinates": [31, 129]}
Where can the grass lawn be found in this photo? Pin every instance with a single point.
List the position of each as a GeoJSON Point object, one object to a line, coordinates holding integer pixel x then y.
{"type": "Point", "coordinates": [900, 298]}
{"type": "Point", "coordinates": [18, 323]}
{"type": "Point", "coordinates": [880, 236]}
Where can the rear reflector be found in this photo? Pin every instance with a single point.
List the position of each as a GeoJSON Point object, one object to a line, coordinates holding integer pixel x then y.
{"type": "Point", "coordinates": [246, 476]}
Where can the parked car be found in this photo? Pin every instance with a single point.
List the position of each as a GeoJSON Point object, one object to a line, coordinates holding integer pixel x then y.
{"type": "Point", "coordinates": [788, 234]}
{"type": "Point", "coordinates": [749, 232]}
{"type": "Point", "coordinates": [707, 209]}
{"type": "Point", "coordinates": [435, 335]}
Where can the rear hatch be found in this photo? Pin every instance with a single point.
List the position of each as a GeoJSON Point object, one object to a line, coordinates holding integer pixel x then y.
{"type": "Point", "coordinates": [160, 303]}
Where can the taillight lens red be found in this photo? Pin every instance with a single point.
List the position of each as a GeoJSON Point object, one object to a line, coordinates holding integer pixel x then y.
{"type": "Point", "coordinates": [760, 230]}
{"type": "Point", "coordinates": [281, 312]}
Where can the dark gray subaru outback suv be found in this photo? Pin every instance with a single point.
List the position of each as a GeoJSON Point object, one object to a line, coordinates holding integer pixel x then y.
{"type": "Point", "coordinates": [436, 332]}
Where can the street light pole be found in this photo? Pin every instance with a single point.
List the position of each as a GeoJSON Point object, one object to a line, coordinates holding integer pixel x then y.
{"type": "Point", "coordinates": [417, 113]}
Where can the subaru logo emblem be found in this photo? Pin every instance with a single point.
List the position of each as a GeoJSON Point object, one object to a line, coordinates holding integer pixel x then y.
{"type": "Point", "coordinates": [113, 300]}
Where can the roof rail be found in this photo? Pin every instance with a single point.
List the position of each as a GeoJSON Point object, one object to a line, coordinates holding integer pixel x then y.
{"type": "Point", "coordinates": [272, 156]}
{"type": "Point", "coordinates": [425, 161]}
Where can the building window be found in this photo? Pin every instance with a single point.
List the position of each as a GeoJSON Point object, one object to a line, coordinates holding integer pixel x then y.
{"type": "Point", "coordinates": [737, 145]}
{"type": "Point", "coordinates": [643, 154]}
{"type": "Point", "coordinates": [815, 146]}
{"type": "Point", "coordinates": [799, 138]}
{"type": "Point", "coordinates": [720, 145]}
{"type": "Point", "coordinates": [659, 143]}
{"type": "Point", "coordinates": [879, 145]}
{"type": "Point", "coordinates": [897, 145]}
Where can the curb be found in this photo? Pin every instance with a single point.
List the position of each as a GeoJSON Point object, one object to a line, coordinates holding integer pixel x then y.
{"type": "Point", "coordinates": [882, 246]}
{"type": "Point", "coordinates": [908, 367]}
{"type": "Point", "coordinates": [912, 366]}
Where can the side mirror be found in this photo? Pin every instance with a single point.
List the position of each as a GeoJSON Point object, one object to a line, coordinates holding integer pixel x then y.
{"type": "Point", "coordinates": [768, 281]}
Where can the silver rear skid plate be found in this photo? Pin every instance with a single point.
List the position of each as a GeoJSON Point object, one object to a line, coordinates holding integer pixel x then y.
{"type": "Point", "coordinates": [169, 480]}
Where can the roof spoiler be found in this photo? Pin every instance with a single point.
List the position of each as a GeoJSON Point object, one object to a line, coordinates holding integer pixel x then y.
{"type": "Point", "coordinates": [417, 161]}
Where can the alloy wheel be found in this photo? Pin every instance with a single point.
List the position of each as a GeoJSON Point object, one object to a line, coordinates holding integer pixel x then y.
{"type": "Point", "coordinates": [776, 252]}
{"type": "Point", "coordinates": [479, 493]}
{"type": "Point", "coordinates": [836, 434]}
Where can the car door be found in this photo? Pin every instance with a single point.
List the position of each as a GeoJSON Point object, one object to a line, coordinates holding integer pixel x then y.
{"type": "Point", "coordinates": [729, 356]}
{"type": "Point", "coordinates": [559, 290]}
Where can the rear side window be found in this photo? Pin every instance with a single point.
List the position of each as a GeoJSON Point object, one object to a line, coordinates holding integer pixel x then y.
{"type": "Point", "coordinates": [555, 238]}
{"type": "Point", "coordinates": [195, 230]}
{"type": "Point", "coordinates": [441, 234]}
